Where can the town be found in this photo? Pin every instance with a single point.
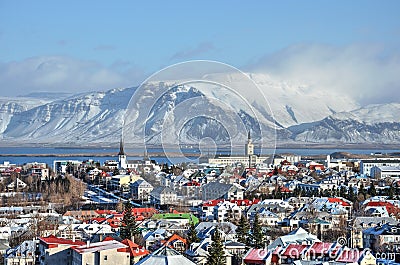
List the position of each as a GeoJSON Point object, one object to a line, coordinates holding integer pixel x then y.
{"type": "Point", "coordinates": [250, 209]}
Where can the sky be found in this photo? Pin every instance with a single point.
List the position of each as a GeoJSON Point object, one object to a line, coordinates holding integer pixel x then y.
{"type": "Point", "coordinates": [77, 46]}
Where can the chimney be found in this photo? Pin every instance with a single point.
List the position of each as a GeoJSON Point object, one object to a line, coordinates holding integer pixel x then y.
{"type": "Point", "coordinates": [73, 238]}
{"type": "Point", "coordinates": [88, 244]}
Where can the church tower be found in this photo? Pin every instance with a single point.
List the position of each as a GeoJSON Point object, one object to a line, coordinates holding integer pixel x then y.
{"type": "Point", "coordinates": [249, 146]}
{"type": "Point", "coordinates": [121, 156]}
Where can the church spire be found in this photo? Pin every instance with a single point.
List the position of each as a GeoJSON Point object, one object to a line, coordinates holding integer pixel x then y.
{"type": "Point", "coordinates": [121, 148]}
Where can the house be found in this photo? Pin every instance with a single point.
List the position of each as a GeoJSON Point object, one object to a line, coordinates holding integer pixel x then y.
{"type": "Point", "coordinates": [176, 242]}
{"type": "Point", "coordinates": [136, 252]}
{"type": "Point", "coordinates": [362, 223]}
{"type": "Point", "coordinates": [257, 256]}
{"type": "Point", "coordinates": [163, 196]}
{"type": "Point", "coordinates": [56, 251]}
{"type": "Point", "coordinates": [120, 182]}
{"type": "Point", "coordinates": [182, 219]}
{"type": "Point", "coordinates": [165, 256]}
{"type": "Point", "coordinates": [298, 236]}
{"type": "Point", "coordinates": [217, 190]}
{"type": "Point", "coordinates": [105, 252]}
{"type": "Point", "coordinates": [16, 185]}
{"type": "Point", "coordinates": [226, 211]}
{"type": "Point", "coordinates": [322, 251]}
{"type": "Point", "coordinates": [293, 252]}
{"type": "Point", "coordinates": [355, 256]}
{"type": "Point", "coordinates": [140, 190]}
{"type": "Point", "coordinates": [198, 252]}
{"type": "Point", "coordinates": [152, 237]}
{"type": "Point", "coordinates": [23, 254]}
{"type": "Point", "coordinates": [382, 237]}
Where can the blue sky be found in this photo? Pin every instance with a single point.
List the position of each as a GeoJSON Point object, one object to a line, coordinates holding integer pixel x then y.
{"type": "Point", "coordinates": [95, 45]}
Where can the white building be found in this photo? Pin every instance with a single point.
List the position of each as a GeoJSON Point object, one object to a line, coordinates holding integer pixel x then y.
{"type": "Point", "coordinates": [367, 164]}
{"type": "Point", "coordinates": [385, 172]}
{"type": "Point", "coordinates": [104, 253]}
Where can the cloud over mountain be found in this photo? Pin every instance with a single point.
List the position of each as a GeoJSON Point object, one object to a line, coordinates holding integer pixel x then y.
{"type": "Point", "coordinates": [368, 73]}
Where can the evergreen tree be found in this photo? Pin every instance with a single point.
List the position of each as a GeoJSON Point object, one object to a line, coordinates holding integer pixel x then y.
{"type": "Point", "coordinates": [342, 191]}
{"type": "Point", "coordinates": [372, 190]}
{"type": "Point", "coordinates": [216, 254]}
{"type": "Point", "coordinates": [362, 189]}
{"type": "Point", "coordinates": [192, 234]}
{"type": "Point", "coordinates": [129, 228]}
{"type": "Point", "coordinates": [390, 192]}
{"type": "Point", "coordinates": [257, 237]}
{"type": "Point", "coordinates": [351, 195]}
{"type": "Point", "coordinates": [242, 230]}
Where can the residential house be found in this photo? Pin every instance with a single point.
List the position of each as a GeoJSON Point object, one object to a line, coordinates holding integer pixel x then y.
{"type": "Point", "coordinates": [217, 190]}
{"type": "Point", "coordinates": [107, 252]}
{"type": "Point", "coordinates": [140, 190]}
{"type": "Point", "coordinates": [362, 223]}
{"type": "Point", "coordinates": [56, 251]}
{"type": "Point", "coordinates": [23, 254]}
{"type": "Point", "coordinates": [165, 256]}
{"type": "Point", "coordinates": [163, 196]}
{"type": "Point", "coordinates": [382, 238]}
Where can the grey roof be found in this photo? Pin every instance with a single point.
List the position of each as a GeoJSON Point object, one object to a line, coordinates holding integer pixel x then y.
{"type": "Point", "coordinates": [372, 221]}
{"type": "Point", "coordinates": [165, 255]}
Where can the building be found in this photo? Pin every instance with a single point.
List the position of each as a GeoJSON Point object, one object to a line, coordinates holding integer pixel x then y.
{"type": "Point", "coordinates": [56, 251]}
{"type": "Point", "coordinates": [140, 190]}
{"type": "Point", "coordinates": [362, 223]}
{"type": "Point", "coordinates": [248, 160]}
{"type": "Point", "coordinates": [163, 196]}
{"type": "Point", "coordinates": [164, 256]}
{"type": "Point", "coordinates": [367, 164]}
{"type": "Point", "coordinates": [65, 166]}
{"type": "Point", "coordinates": [382, 238]}
{"type": "Point", "coordinates": [107, 252]}
{"type": "Point", "coordinates": [23, 254]}
{"type": "Point", "coordinates": [121, 156]}
{"type": "Point", "coordinates": [217, 190]}
{"type": "Point", "coordinates": [385, 172]}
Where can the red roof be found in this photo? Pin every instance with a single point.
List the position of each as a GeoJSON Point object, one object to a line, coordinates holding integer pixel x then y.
{"type": "Point", "coordinates": [53, 241]}
{"type": "Point", "coordinates": [349, 256]}
{"type": "Point", "coordinates": [392, 209]}
{"type": "Point", "coordinates": [256, 256]}
{"type": "Point", "coordinates": [294, 251]}
{"type": "Point", "coordinates": [339, 201]}
{"type": "Point", "coordinates": [212, 203]}
{"type": "Point", "coordinates": [284, 189]}
{"type": "Point", "coordinates": [134, 249]}
{"type": "Point", "coordinates": [319, 248]}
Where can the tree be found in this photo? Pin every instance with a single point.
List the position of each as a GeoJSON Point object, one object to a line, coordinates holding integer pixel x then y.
{"type": "Point", "coordinates": [216, 254]}
{"type": "Point", "coordinates": [257, 237]}
{"type": "Point", "coordinates": [372, 190]}
{"type": "Point", "coordinates": [129, 228]}
{"type": "Point", "coordinates": [242, 230]}
{"type": "Point", "coordinates": [192, 235]}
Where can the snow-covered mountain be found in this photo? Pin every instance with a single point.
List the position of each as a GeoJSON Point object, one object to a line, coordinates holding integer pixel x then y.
{"type": "Point", "coordinates": [172, 112]}
{"type": "Point", "coordinates": [12, 106]}
{"type": "Point", "coordinates": [92, 117]}
{"type": "Point", "coordinates": [370, 124]}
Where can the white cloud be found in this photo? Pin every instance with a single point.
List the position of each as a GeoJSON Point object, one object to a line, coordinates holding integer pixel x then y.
{"type": "Point", "coordinates": [368, 73]}
{"type": "Point", "coordinates": [63, 74]}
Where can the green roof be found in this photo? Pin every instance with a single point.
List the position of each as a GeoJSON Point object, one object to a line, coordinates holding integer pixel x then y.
{"type": "Point", "coordinates": [191, 217]}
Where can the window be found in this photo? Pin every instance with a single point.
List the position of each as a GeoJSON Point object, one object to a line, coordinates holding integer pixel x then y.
{"type": "Point", "coordinates": [105, 257]}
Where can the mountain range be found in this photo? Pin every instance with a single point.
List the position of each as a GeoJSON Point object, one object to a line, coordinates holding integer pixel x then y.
{"type": "Point", "coordinates": [187, 113]}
